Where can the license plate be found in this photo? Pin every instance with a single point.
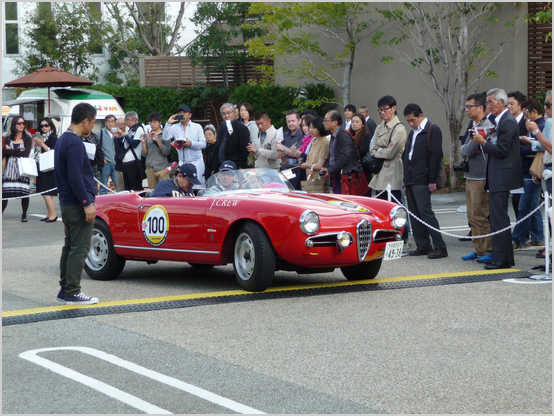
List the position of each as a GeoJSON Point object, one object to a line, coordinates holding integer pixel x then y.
{"type": "Point", "coordinates": [393, 250]}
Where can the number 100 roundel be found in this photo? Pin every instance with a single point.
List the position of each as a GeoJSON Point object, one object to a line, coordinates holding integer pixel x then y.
{"type": "Point", "coordinates": [155, 225]}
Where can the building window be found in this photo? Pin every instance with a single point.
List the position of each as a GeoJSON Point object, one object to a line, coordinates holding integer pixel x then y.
{"type": "Point", "coordinates": [11, 27]}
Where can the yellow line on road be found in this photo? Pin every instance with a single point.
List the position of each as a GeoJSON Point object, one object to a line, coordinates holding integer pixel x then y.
{"type": "Point", "coordinates": [58, 308]}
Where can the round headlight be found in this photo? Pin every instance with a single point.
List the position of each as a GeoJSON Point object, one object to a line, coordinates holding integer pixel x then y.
{"type": "Point", "coordinates": [344, 239]}
{"type": "Point", "coordinates": [309, 222]}
{"type": "Point", "coordinates": [399, 217]}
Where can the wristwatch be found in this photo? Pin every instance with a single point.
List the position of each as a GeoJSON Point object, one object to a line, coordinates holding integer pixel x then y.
{"type": "Point", "coordinates": [283, 149]}
{"type": "Point", "coordinates": [536, 132]}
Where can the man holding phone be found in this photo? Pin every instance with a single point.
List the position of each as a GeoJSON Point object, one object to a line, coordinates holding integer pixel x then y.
{"type": "Point", "coordinates": [188, 138]}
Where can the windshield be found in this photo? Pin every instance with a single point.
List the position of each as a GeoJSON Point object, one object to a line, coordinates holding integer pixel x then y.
{"type": "Point", "coordinates": [247, 179]}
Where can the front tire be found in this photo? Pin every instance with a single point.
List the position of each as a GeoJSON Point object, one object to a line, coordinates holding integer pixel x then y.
{"type": "Point", "coordinates": [362, 271]}
{"type": "Point", "coordinates": [102, 262]}
{"type": "Point", "coordinates": [254, 258]}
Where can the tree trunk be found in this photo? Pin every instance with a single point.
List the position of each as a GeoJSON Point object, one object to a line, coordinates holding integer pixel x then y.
{"type": "Point", "coordinates": [346, 79]}
{"type": "Point", "coordinates": [455, 126]}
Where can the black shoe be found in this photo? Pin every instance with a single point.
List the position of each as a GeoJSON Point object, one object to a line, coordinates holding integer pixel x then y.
{"type": "Point", "coordinates": [438, 253]}
{"type": "Point", "coordinates": [54, 220]}
{"type": "Point", "coordinates": [45, 218]}
{"type": "Point", "coordinates": [498, 265]}
{"type": "Point", "coordinates": [24, 219]}
{"type": "Point", "coordinates": [466, 237]}
{"type": "Point", "coordinates": [421, 251]}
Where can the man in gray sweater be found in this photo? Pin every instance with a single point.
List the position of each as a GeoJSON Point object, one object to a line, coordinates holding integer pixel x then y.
{"type": "Point", "coordinates": [477, 196]}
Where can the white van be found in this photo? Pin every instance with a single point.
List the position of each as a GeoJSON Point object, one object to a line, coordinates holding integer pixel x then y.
{"type": "Point", "coordinates": [32, 105]}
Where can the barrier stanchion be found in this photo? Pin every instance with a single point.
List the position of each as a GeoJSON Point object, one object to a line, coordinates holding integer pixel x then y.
{"type": "Point", "coordinates": [547, 274]}
{"type": "Point", "coordinates": [389, 193]}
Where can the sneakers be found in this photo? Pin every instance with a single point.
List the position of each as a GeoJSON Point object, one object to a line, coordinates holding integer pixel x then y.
{"type": "Point", "coordinates": [80, 299]}
{"type": "Point", "coordinates": [438, 253]}
{"type": "Point", "coordinates": [518, 246]}
{"type": "Point", "coordinates": [61, 295]}
{"type": "Point", "coordinates": [472, 256]}
{"type": "Point", "coordinates": [535, 244]}
{"type": "Point", "coordinates": [485, 259]}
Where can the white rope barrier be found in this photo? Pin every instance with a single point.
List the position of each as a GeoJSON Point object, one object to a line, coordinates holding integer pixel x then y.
{"type": "Point", "coordinates": [30, 195]}
{"type": "Point", "coordinates": [458, 236]}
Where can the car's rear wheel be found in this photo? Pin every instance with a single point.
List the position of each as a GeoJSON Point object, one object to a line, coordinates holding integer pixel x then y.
{"type": "Point", "coordinates": [103, 263]}
{"type": "Point", "coordinates": [362, 271]}
{"type": "Point", "coordinates": [254, 258]}
{"type": "Point", "coordinates": [201, 266]}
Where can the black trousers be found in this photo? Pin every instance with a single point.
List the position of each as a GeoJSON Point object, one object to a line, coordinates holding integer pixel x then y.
{"type": "Point", "coordinates": [131, 176]}
{"type": "Point", "coordinates": [502, 248]}
{"type": "Point", "coordinates": [419, 202]}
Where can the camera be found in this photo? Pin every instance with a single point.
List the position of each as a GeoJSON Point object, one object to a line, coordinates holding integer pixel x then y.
{"type": "Point", "coordinates": [114, 130]}
{"type": "Point", "coordinates": [180, 117]}
{"type": "Point", "coordinates": [462, 167]}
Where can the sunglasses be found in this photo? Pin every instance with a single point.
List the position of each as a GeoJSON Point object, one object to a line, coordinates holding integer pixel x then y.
{"type": "Point", "coordinates": [20, 123]}
{"type": "Point", "coordinates": [547, 104]}
{"type": "Point", "coordinates": [45, 125]}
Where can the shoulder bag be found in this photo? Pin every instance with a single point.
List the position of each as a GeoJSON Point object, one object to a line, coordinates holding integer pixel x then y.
{"type": "Point", "coordinates": [441, 177]}
{"type": "Point", "coordinates": [375, 164]}
{"type": "Point", "coordinates": [537, 166]}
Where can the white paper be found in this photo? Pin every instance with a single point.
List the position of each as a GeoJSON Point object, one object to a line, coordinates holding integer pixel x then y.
{"type": "Point", "coordinates": [229, 126]}
{"type": "Point", "coordinates": [91, 150]}
{"type": "Point", "coordinates": [279, 135]}
{"type": "Point", "coordinates": [288, 173]}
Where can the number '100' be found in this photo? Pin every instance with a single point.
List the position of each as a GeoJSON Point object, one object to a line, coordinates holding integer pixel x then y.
{"type": "Point", "coordinates": [156, 225]}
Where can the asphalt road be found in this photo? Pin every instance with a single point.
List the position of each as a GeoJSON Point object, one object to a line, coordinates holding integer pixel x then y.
{"type": "Point", "coordinates": [465, 348]}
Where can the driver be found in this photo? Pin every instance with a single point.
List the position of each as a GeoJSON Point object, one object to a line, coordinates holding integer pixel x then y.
{"type": "Point", "coordinates": [180, 185]}
{"type": "Point", "coordinates": [225, 180]}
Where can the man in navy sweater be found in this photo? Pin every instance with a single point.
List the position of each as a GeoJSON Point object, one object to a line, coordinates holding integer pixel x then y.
{"type": "Point", "coordinates": [76, 195]}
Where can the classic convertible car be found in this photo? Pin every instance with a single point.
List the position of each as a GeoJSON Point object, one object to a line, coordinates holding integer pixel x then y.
{"type": "Point", "coordinates": [260, 225]}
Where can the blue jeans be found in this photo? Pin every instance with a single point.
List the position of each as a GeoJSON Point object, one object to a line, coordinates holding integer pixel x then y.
{"type": "Point", "coordinates": [533, 225]}
{"type": "Point", "coordinates": [107, 171]}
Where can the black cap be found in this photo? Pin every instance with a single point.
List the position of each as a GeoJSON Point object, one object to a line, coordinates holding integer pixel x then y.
{"type": "Point", "coordinates": [184, 107]}
{"type": "Point", "coordinates": [227, 165]}
{"type": "Point", "coordinates": [189, 171]}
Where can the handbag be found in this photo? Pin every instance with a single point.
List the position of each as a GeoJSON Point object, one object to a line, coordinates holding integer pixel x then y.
{"type": "Point", "coordinates": [139, 164]}
{"type": "Point", "coordinates": [354, 184]}
{"type": "Point", "coordinates": [375, 164]}
{"type": "Point", "coordinates": [27, 167]}
{"type": "Point", "coordinates": [315, 186]}
{"type": "Point", "coordinates": [537, 166]}
{"type": "Point", "coordinates": [46, 161]}
{"type": "Point", "coordinates": [441, 177]}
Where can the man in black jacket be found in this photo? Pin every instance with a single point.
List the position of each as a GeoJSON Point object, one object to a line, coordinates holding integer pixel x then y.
{"type": "Point", "coordinates": [343, 158]}
{"type": "Point", "coordinates": [233, 138]}
{"type": "Point", "coordinates": [421, 159]}
{"type": "Point", "coordinates": [504, 173]}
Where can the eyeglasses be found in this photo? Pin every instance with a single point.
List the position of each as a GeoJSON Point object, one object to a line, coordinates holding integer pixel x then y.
{"type": "Point", "coordinates": [20, 123]}
{"type": "Point", "coordinates": [383, 110]}
{"type": "Point", "coordinates": [547, 104]}
{"type": "Point", "coordinates": [492, 102]}
{"type": "Point", "coordinates": [469, 106]}
{"type": "Point", "coordinates": [45, 125]}
{"type": "Point", "coordinates": [226, 113]}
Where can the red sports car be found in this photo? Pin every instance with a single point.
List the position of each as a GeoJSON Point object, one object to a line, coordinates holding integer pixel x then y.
{"type": "Point", "coordinates": [256, 221]}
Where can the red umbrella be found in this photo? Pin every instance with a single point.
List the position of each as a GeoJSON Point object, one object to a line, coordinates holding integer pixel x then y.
{"type": "Point", "coordinates": [48, 77]}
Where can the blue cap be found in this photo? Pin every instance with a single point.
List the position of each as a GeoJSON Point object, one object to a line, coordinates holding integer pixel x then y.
{"type": "Point", "coordinates": [227, 165]}
{"type": "Point", "coordinates": [188, 170]}
{"type": "Point", "coordinates": [184, 107]}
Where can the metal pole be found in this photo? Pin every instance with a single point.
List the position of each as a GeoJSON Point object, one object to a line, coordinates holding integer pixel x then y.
{"type": "Point", "coordinates": [547, 274]}
{"type": "Point", "coordinates": [389, 187]}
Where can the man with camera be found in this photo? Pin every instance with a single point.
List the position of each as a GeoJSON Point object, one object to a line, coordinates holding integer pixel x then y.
{"type": "Point", "coordinates": [475, 168]}
{"type": "Point", "coordinates": [189, 139]}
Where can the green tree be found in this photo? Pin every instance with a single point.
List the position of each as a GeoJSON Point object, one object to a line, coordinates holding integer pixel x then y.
{"type": "Point", "coordinates": [129, 30]}
{"type": "Point", "coordinates": [447, 49]}
{"type": "Point", "coordinates": [56, 36]}
{"type": "Point", "coordinates": [221, 37]}
{"type": "Point", "coordinates": [308, 31]}
{"type": "Point", "coordinates": [542, 17]}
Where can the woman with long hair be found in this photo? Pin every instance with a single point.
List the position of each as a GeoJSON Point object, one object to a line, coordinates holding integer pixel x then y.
{"type": "Point", "coordinates": [14, 185]}
{"type": "Point", "coordinates": [362, 140]}
{"type": "Point", "coordinates": [47, 180]}
{"type": "Point", "coordinates": [247, 118]}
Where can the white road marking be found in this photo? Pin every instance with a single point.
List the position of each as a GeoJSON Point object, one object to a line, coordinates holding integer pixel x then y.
{"type": "Point", "coordinates": [533, 282]}
{"type": "Point", "coordinates": [121, 395]}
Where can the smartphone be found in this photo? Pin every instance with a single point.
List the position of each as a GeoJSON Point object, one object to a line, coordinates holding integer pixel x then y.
{"type": "Point", "coordinates": [180, 117]}
{"type": "Point", "coordinates": [114, 129]}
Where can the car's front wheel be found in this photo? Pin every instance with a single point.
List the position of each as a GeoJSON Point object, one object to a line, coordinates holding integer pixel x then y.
{"type": "Point", "coordinates": [103, 263]}
{"type": "Point", "coordinates": [362, 271]}
{"type": "Point", "coordinates": [254, 258]}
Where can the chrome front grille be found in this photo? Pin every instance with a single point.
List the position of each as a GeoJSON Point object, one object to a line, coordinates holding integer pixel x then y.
{"type": "Point", "coordinates": [363, 238]}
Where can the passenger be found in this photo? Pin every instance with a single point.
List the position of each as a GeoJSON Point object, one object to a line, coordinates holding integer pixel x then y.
{"type": "Point", "coordinates": [225, 178]}
{"type": "Point", "coordinates": [180, 185]}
